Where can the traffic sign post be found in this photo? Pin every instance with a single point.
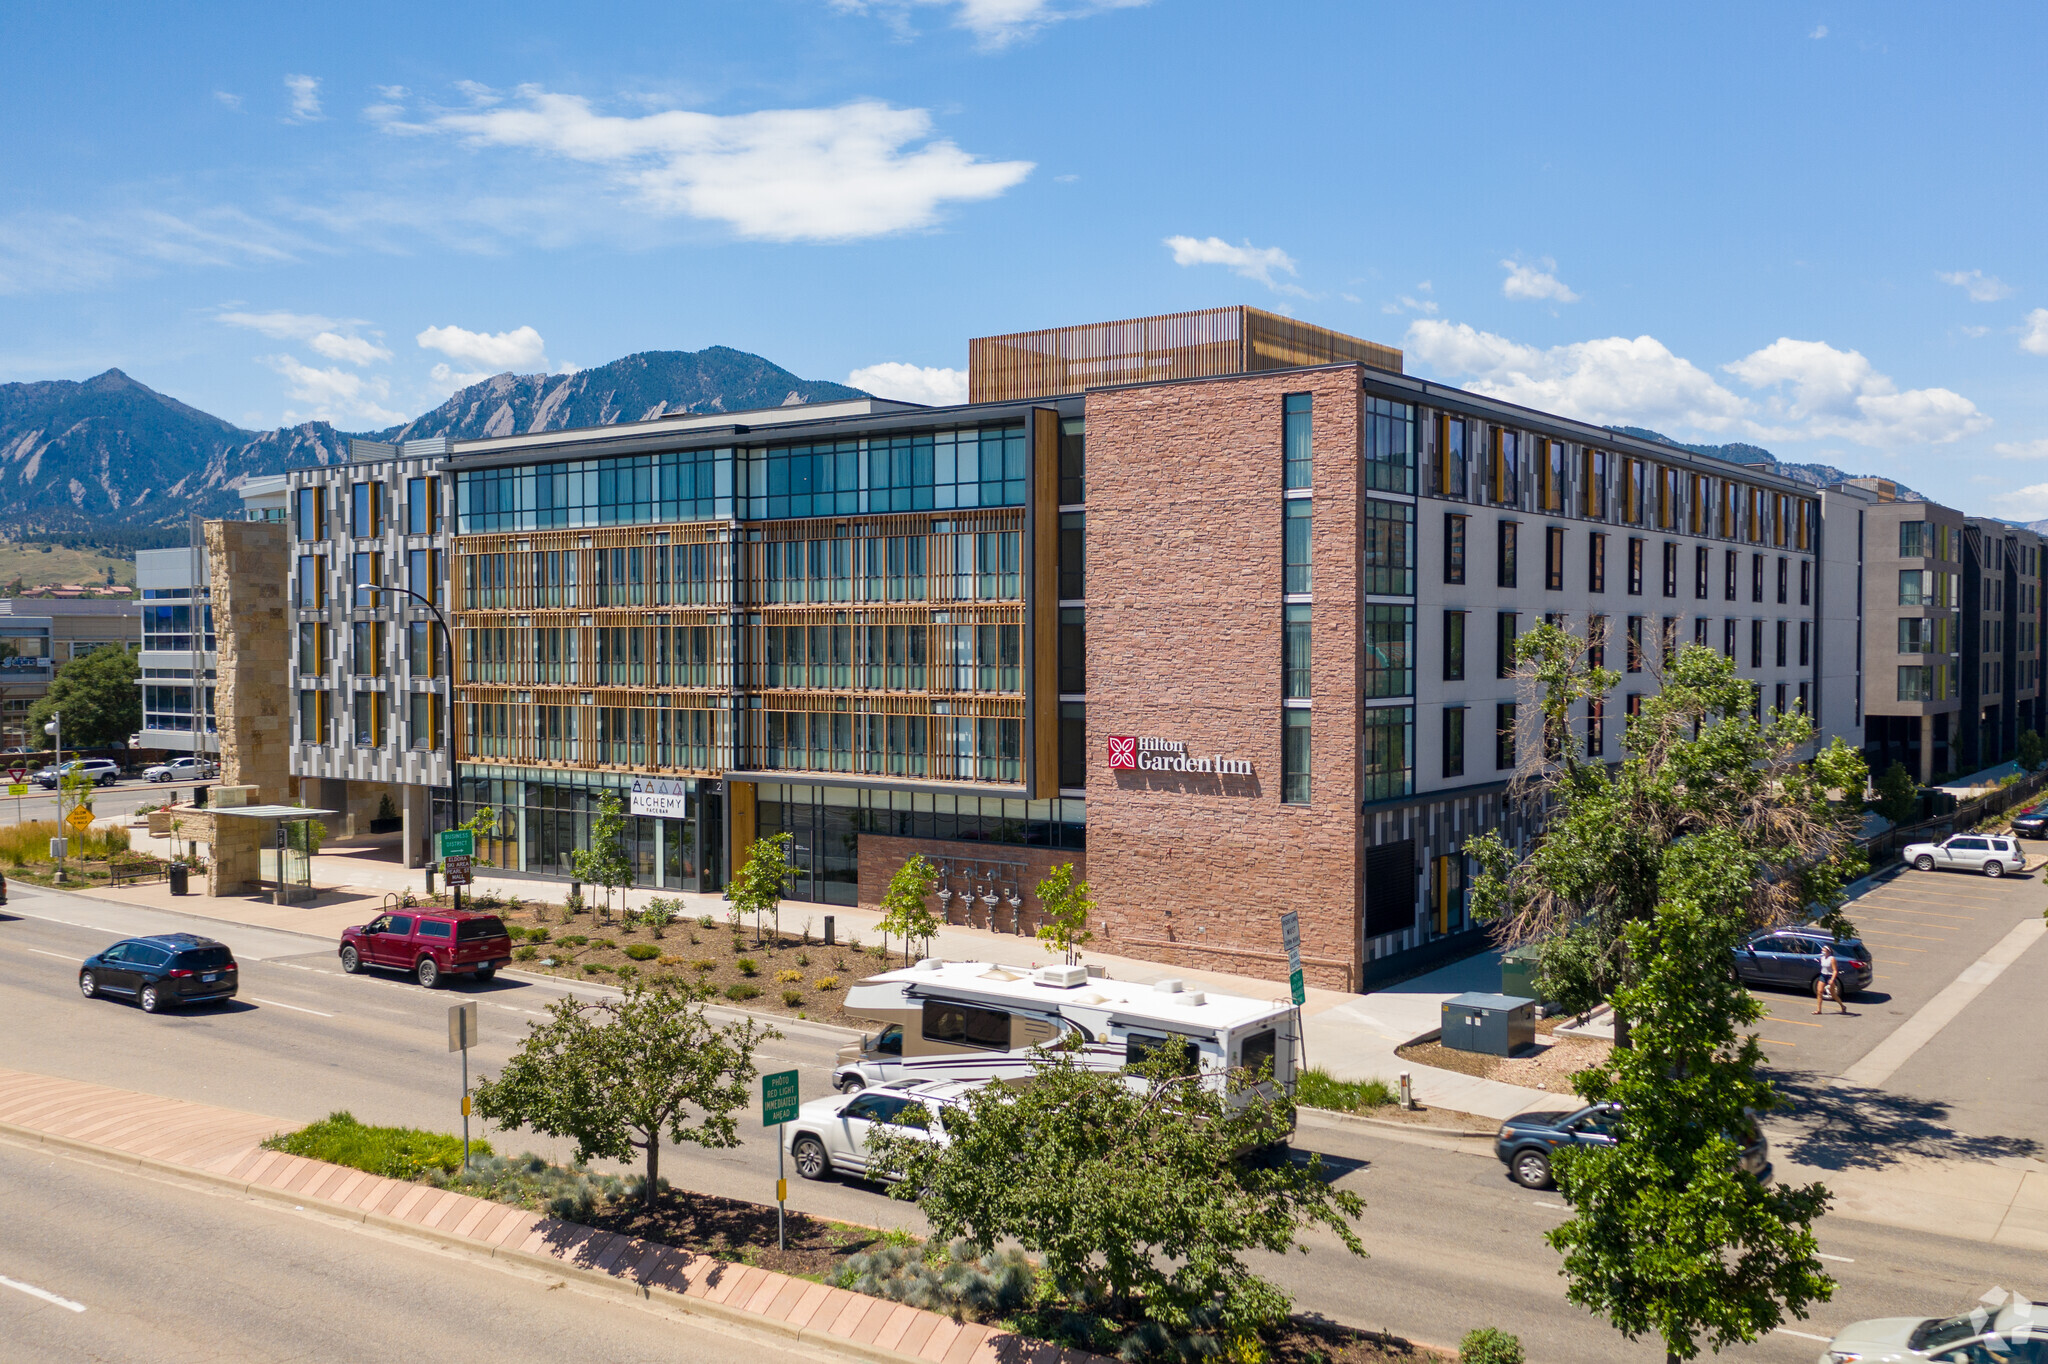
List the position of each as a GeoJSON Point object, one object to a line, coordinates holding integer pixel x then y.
{"type": "Point", "coordinates": [778, 1106]}
{"type": "Point", "coordinates": [462, 1022]}
{"type": "Point", "coordinates": [80, 818]}
{"type": "Point", "coordinates": [458, 843]}
{"type": "Point", "coordinates": [455, 871]}
{"type": "Point", "coordinates": [1290, 938]}
{"type": "Point", "coordinates": [457, 847]}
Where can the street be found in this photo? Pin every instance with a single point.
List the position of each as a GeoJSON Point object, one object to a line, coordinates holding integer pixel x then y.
{"type": "Point", "coordinates": [122, 798]}
{"type": "Point", "coordinates": [1454, 1245]}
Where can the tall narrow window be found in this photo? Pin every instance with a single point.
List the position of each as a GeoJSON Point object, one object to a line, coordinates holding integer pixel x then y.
{"type": "Point", "coordinates": [1702, 570]}
{"type": "Point", "coordinates": [1450, 460]}
{"type": "Point", "coordinates": [1506, 476]}
{"type": "Point", "coordinates": [421, 498]}
{"type": "Point", "coordinates": [1756, 644]}
{"type": "Point", "coordinates": [1454, 646]}
{"type": "Point", "coordinates": [1553, 475]}
{"type": "Point", "coordinates": [1073, 461]}
{"type": "Point", "coordinates": [1596, 641]}
{"type": "Point", "coordinates": [1593, 483]}
{"type": "Point", "coordinates": [1295, 572]}
{"type": "Point", "coordinates": [1728, 587]}
{"type": "Point", "coordinates": [1784, 578]}
{"type": "Point", "coordinates": [1294, 756]}
{"type": "Point", "coordinates": [1389, 548]}
{"type": "Point", "coordinates": [1596, 726]}
{"type": "Point", "coordinates": [1505, 558]}
{"type": "Point", "coordinates": [1504, 644]}
{"type": "Point", "coordinates": [1389, 446]}
{"type": "Point", "coordinates": [1805, 642]}
{"type": "Point", "coordinates": [1389, 640]}
{"type": "Point", "coordinates": [1728, 638]}
{"type": "Point", "coordinates": [1670, 568]}
{"type": "Point", "coordinates": [1295, 651]}
{"type": "Point", "coordinates": [1635, 566]}
{"type": "Point", "coordinates": [1299, 424]}
{"type": "Point", "coordinates": [1781, 644]}
{"type": "Point", "coordinates": [1386, 753]}
{"type": "Point", "coordinates": [312, 514]}
{"type": "Point", "coordinates": [1454, 741]}
{"type": "Point", "coordinates": [1635, 644]}
{"type": "Point", "coordinates": [1454, 547]}
{"type": "Point", "coordinates": [1667, 641]}
{"type": "Point", "coordinates": [1553, 558]}
{"type": "Point", "coordinates": [1504, 737]}
{"type": "Point", "coordinates": [1756, 577]}
{"type": "Point", "coordinates": [1596, 562]}
{"type": "Point", "coordinates": [1073, 560]}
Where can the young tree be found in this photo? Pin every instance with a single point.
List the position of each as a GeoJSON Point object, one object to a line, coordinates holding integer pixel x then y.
{"type": "Point", "coordinates": [1134, 1184]}
{"type": "Point", "coordinates": [1066, 906]}
{"type": "Point", "coordinates": [904, 908]}
{"type": "Point", "coordinates": [617, 1076]}
{"type": "Point", "coordinates": [605, 862]}
{"type": "Point", "coordinates": [757, 887]}
{"type": "Point", "coordinates": [98, 696]}
{"type": "Point", "coordinates": [1898, 795]}
{"type": "Point", "coordinates": [1668, 1235]}
{"type": "Point", "coordinates": [2032, 751]}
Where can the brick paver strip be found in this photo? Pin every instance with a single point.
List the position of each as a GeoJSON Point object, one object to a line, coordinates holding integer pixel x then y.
{"type": "Point", "coordinates": [966, 1343]}
{"type": "Point", "coordinates": [626, 1248]}
{"type": "Point", "coordinates": [940, 1340]}
{"type": "Point", "coordinates": [327, 1181]}
{"type": "Point", "coordinates": [516, 1229]}
{"type": "Point", "coordinates": [850, 1312]}
{"type": "Point", "coordinates": [893, 1329]}
{"type": "Point", "coordinates": [783, 1303]}
{"type": "Point", "coordinates": [405, 1206]}
{"type": "Point", "coordinates": [806, 1305]}
{"type": "Point", "coordinates": [473, 1217]}
{"type": "Point", "coordinates": [764, 1293]}
{"type": "Point", "coordinates": [872, 1323]}
{"type": "Point", "coordinates": [734, 1287]}
{"type": "Point", "coordinates": [920, 1331]}
{"type": "Point", "coordinates": [441, 1210]}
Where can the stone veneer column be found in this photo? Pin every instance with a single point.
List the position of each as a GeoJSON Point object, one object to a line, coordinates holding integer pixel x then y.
{"type": "Point", "coordinates": [252, 630]}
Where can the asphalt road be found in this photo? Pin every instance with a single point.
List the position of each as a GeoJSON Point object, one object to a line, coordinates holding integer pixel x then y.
{"type": "Point", "coordinates": [1454, 1245]}
{"type": "Point", "coordinates": [122, 798]}
{"type": "Point", "coordinates": [100, 1262]}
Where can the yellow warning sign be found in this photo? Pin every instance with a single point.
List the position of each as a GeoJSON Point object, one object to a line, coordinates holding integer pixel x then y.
{"type": "Point", "coordinates": [80, 818]}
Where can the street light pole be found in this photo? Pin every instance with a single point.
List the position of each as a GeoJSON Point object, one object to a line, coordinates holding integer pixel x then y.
{"type": "Point", "coordinates": [55, 728]}
{"type": "Point", "coordinates": [448, 717]}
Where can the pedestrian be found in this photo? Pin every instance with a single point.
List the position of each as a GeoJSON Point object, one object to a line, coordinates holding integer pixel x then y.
{"type": "Point", "coordinates": [1829, 981]}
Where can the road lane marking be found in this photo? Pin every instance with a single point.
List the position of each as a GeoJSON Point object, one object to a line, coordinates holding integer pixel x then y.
{"type": "Point", "coordinates": [1803, 1335]}
{"type": "Point", "coordinates": [1795, 1022]}
{"type": "Point", "coordinates": [1824, 1256]}
{"type": "Point", "coordinates": [1775, 1042]}
{"type": "Point", "coordinates": [276, 1004]}
{"type": "Point", "coordinates": [60, 956]}
{"type": "Point", "coordinates": [45, 1294]}
{"type": "Point", "coordinates": [1887, 934]}
{"type": "Point", "coordinates": [1884, 1060]}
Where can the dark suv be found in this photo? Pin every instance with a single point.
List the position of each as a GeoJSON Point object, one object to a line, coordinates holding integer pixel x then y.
{"type": "Point", "coordinates": [1527, 1141]}
{"type": "Point", "coordinates": [429, 943]}
{"type": "Point", "coordinates": [160, 971]}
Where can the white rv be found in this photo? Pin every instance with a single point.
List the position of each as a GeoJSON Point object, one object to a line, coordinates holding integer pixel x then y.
{"type": "Point", "coordinates": [971, 1020]}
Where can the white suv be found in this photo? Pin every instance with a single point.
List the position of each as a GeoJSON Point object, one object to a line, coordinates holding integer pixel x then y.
{"type": "Point", "coordinates": [179, 769]}
{"type": "Point", "coordinates": [1992, 854]}
{"type": "Point", "coordinates": [98, 771]}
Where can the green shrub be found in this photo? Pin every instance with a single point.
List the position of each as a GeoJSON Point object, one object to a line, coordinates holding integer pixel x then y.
{"type": "Point", "coordinates": [642, 951]}
{"type": "Point", "coordinates": [825, 983]}
{"type": "Point", "coordinates": [605, 944]}
{"type": "Point", "coordinates": [792, 998]}
{"type": "Point", "coordinates": [1488, 1346]}
{"type": "Point", "coordinates": [393, 1152]}
{"type": "Point", "coordinates": [526, 953]}
{"type": "Point", "coordinates": [591, 968]}
{"type": "Point", "coordinates": [536, 935]}
{"type": "Point", "coordinates": [748, 966]}
{"type": "Point", "coordinates": [788, 977]}
{"type": "Point", "coordinates": [573, 940]}
{"type": "Point", "coordinates": [959, 1284]}
{"type": "Point", "coordinates": [628, 972]}
{"type": "Point", "coordinates": [704, 964]}
{"type": "Point", "coordinates": [741, 992]}
{"type": "Point", "coordinates": [1316, 1089]}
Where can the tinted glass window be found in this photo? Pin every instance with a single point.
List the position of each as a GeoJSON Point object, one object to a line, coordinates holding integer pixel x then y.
{"type": "Point", "coordinates": [204, 958]}
{"type": "Point", "coordinates": [872, 1107]}
{"type": "Point", "coordinates": [118, 952]}
{"type": "Point", "coordinates": [431, 928]}
{"type": "Point", "coordinates": [1140, 1046]}
{"type": "Point", "coordinates": [1257, 1051]}
{"type": "Point", "coordinates": [398, 923]}
{"type": "Point", "coordinates": [1972, 844]}
{"type": "Point", "coordinates": [966, 1026]}
{"type": "Point", "coordinates": [469, 930]}
{"type": "Point", "coordinates": [143, 955]}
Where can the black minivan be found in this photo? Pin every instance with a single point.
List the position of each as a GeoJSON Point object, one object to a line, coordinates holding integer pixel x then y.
{"type": "Point", "coordinates": [160, 971]}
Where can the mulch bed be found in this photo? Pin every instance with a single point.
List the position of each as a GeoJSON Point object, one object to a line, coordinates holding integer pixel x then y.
{"type": "Point", "coordinates": [736, 1230]}
{"type": "Point", "coordinates": [1551, 1067]}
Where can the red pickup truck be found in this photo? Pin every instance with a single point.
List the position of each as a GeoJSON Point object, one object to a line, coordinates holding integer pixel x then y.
{"type": "Point", "coordinates": [429, 944]}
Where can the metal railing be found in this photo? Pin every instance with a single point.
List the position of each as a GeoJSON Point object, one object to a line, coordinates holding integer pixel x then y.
{"type": "Point", "coordinates": [1881, 847]}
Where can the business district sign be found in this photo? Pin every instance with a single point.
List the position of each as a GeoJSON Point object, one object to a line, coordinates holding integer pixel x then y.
{"type": "Point", "coordinates": [659, 798]}
{"type": "Point", "coordinates": [1127, 753]}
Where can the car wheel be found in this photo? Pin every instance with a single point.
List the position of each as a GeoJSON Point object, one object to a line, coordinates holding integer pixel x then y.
{"type": "Point", "coordinates": [484, 974]}
{"type": "Point", "coordinates": [351, 962]}
{"type": "Point", "coordinates": [149, 999]}
{"type": "Point", "coordinates": [1923, 863]}
{"type": "Point", "coordinates": [1994, 868]}
{"type": "Point", "coordinates": [429, 973]}
{"type": "Point", "coordinates": [811, 1160]}
{"type": "Point", "coordinates": [1531, 1169]}
{"type": "Point", "coordinates": [88, 986]}
{"type": "Point", "coordinates": [852, 1084]}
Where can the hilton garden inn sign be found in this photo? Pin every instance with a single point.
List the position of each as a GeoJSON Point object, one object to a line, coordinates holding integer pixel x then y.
{"type": "Point", "coordinates": [1169, 755]}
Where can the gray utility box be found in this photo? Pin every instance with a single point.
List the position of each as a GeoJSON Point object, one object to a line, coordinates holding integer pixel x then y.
{"type": "Point", "coordinates": [1495, 1024]}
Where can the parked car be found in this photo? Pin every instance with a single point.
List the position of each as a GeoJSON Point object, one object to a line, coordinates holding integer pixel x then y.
{"type": "Point", "coordinates": [430, 944]}
{"type": "Point", "coordinates": [1992, 854]}
{"type": "Point", "coordinates": [830, 1135]}
{"type": "Point", "coordinates": [1527, 1141]}
{"type": "Point", "coordinates": [1790, 958]}
{"type": "Point", "coordinates": [102, 771]}
{"type": "Point", "coordinates": [2015, 1334]}
{"type": "Point", "coordinates": [2031, 822]}
{"type": "Point", "coordinates": [3, 887]}
{"type": "Point", "coordinates": [180, 769]}
{"type": "Point", "coordinates": [160, 971]}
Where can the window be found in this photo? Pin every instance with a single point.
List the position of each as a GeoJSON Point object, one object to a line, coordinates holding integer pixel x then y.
{"type": "Point", "coordinates": [1593, 483]}
{"type": "Point", "coordinates": [1596, 562]}
{"type": "Point", "coordinates": [1596, 641]}
{"type": "Point", "coordinates": [1554, 455]}
{"type": "Point", "coordinates": [1073, 660]}
{"type": "Point", "coordinates": [1912, 586]}
{"type": "Point", "coordinates": [366, 648]}
{"type": "Point", "coordinates": [1073, 745]}
{"type": "Point", "coordinates": [1142, 1047]}
{"type": "Point", "coordinates": [1667, 497]}
{"type": "Point", "coordinates": [1668, 640]}
{"type": "Point", "coordinates": [1781, 647]}
{"type": "Point", "coordinates": [423, 648]}
{"type": "Point", "coordinates": [1756, 577]}
{"type": "Point", "coordinates": [1670, 568]}
{"type": "Point", "coordinates": [1257, 1052]}
{"type": "Point", "coordinates": [1632, 491]}
{"type": "Point", "coordinates": [312, 648]}
{"type": "Point", "coordinates": [312, 717]}
{"type": "Point", "coordinates": [312, 580]}
{"type": "Point", "coordinates": [1454, 741]}
{"type": "Point", "coordinates": [1506, 480]}
{"type": "Point", "coordinates": [1916, 684]}
{"type": "Point", "coordinates": [423, 724]}
{"type": "Point", "coordinates": [1295, 572]}
{"type": "Point", "coordinates": [1784, 578]}
{"type": "Point", "coordinates": [1298, 426]}
{"type": "Point", "coordinates": [368, 708]}
{"type": "Point", "coordinates": [423, 574]}
{"type": "Point", "coordinates": [1294, 651]}
{"type": "Point", "coordinates": [1553, 558]}
{"type": "Point", "coordinates": [963, 1025]}
{"type": "Point", "coordinates": [1756, 644]}
{"type": "Point", "coordinates": [1635, 644]}
{"type": "Point", "coordinates": [1073, 461]}
{"type": "Point", "coordinates": [1728, 587]}
{"type": "Point", "coordinates": [1389, 548]}
{"type": "Point", "coordinates": [1596, 726]}
{"type": "Point", "coordinates": [1728, 638]}
{"type": "Point", "coordinates": [1450, 462]}
{"type": "Point", "coordinates": [1779, 701]}
{"type": "Point", "coordinates": [1635, 566]}
{"type": "Point", "coordinates": [1386, 765]}
{"type": "Point", "coordinates": [1699, 631]}
{"type": "Point", "coordinates": [1454, 646]}
{"type": "Point", "coordinates": [422, 506]}
{"type": "Point", "coordinates": [1389, 640]}
{"type": "Point", "coordinates": [366, 506]}
{"type": "Point", "coordinates": [1294, 757]}
{"type": "Point", "coordinates": [366, 573]}
{"type": "Point", "coordinates": [1504, 737]}
{"type": "Point", "coordinates": [1506, 533]}
{"type": "Point", "coordinates": [1701, 571]}
{"type": "Point", "coordinates": [1389, 446]}
{"type": "Point", "coordinates": [1454, 548]}
{"type": "Point", "coordinates": [1504, 643]}
{"type": "Point", "coordinates": [1073, 558]}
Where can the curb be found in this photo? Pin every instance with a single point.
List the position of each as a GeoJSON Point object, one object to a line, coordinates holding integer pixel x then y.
{"type": "Point", "coordinates": [546, 1263]}
{"type": "Point", "coordinates": [1342, 1119]}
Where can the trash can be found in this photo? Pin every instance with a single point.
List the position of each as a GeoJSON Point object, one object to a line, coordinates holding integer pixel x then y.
{"type": "Point", "coordinates": [178, 874]}
{"type": "Point", "coordinates": [1518, 972]}
{"type": "Point", "coordinates": [1494, 1024]}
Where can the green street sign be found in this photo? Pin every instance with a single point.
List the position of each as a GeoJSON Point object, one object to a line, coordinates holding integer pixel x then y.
{"type": "Point", "coordinates": [458, 843]}
{"type": "Point", "coordinates": [778, 1098]}
{"type": "Point", "coordinates": [1294, 984]}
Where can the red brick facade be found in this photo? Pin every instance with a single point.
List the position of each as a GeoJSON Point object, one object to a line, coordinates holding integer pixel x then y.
{"type": "Point", "coordinates": [1185, 502]}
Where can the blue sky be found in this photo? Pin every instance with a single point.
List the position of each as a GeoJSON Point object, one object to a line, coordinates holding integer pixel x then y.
{"type": "Point", "coordinates": [1812, 227]}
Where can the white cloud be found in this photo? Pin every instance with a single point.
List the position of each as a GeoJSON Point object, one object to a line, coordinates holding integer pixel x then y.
{"type": "Point", "coordinates": [1252, 262]}
{"type": "Point", "coordinates": [496, 351]}
{"type": "Point", "coordinates": [994, 23]}
{"type": "Point", "coordinates": [1819, 31]}
{"type": "Point", "coordinates": [1611, 381]}
{"type": "Point", "coordinates": [1981, 288]}
{"type": "Point", "coordinates": [2024, 449]}
{"type": "Point", "coordinates": [305, 93]}
{"type": "Point", "coordinates": [1530, 282]}
{"type": "Point", "coordinates": [1408, 303]}
{"type": "Point", "coordinates": [2025, 504]}
{"type": "Point", "coordinates": [447, 378]}
{"type": "Point", "coordinates": [912, 383]}
{"type": "Point", "coordinates": [1817, 391]}
{"type": "Point", "coordinates": [337, 340]}
{"type": "Point", "coordinates": [334, 395]}
{"type": "Point", "coordinates": [47, 252]}
{"type": "Point", "coordinates": [232, 101]}
{"type": "Point", "coordinates": [860, 170]}
{"type": "Point", "coordinates": [2034, 336]}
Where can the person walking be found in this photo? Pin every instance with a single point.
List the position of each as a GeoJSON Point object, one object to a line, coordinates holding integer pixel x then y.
{"type": "Point", "coordinates": [1829, 981]}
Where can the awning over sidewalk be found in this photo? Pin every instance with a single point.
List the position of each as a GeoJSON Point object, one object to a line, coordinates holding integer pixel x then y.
{"type": "Point", "coordinates": [270, 812]}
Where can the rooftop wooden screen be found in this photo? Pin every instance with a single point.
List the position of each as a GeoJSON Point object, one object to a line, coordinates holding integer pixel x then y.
{"type": "Point", "coordinates": [1236, 340]}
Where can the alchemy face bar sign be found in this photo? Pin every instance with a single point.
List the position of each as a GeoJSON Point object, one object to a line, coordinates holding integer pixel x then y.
{"type": "Point", "coordinates": [658, 797]}
{"type": "Point", "coordinates": [1169, 755]}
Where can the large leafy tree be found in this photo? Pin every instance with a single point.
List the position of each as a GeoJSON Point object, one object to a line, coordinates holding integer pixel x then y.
{"type": "Point", "coordinates": [98, 696]}
{"type": "Point", "coordinates": [1132, 1189]}
{"type": "Point", "coordinates": [905, 908]}
{"type": "Point", "coordinates": [617, 1076]}
{"type": "Point", "coordinates": [758, 886]}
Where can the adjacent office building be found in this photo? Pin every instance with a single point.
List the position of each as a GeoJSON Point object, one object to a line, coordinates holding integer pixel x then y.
{"type": "Point", "coordinates": [37, 635]}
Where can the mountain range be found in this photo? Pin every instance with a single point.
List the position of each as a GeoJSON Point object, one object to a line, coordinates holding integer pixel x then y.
{"type": "Point", "coordinates": [110, 458]}
{"type": "Point", "coordinates": [1738, 452]}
